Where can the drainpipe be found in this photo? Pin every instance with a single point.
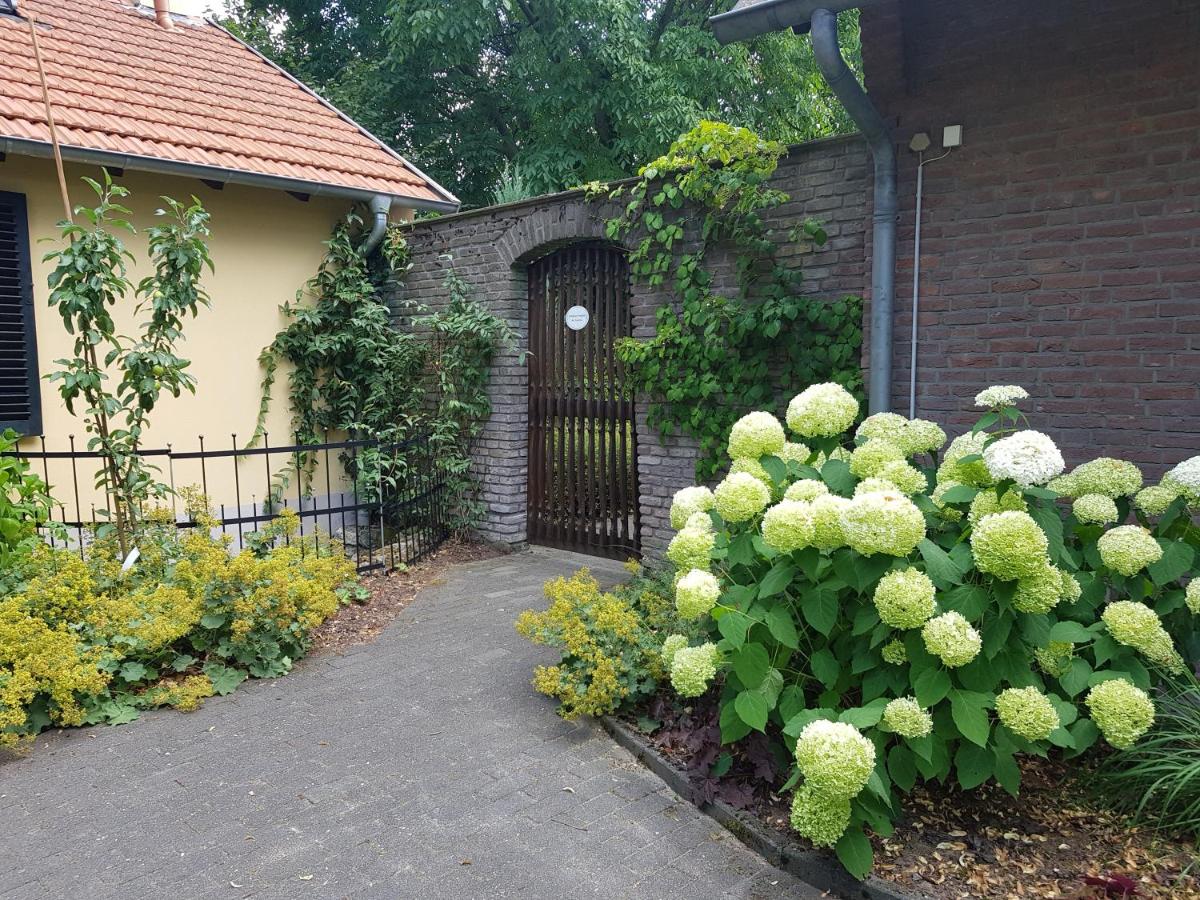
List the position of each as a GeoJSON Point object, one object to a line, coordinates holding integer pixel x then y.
{"type": "Point", "coordinates": [883, 259]}
{"type": "Point", "coordinates": [162, 14]}
{"type": "Point", "coordinates": [380, 207]}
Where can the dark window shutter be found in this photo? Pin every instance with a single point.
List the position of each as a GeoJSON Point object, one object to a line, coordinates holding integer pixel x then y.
{"type": "Point", "coordinates": [20, 395]}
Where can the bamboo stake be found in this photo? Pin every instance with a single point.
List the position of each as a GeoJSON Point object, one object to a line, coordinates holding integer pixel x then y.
{"type": "Point", "coordinates": [58, 160]}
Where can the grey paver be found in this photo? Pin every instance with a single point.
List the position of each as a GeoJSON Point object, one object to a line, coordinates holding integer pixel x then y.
{"type": "Point", "coordinates": [422, 765]}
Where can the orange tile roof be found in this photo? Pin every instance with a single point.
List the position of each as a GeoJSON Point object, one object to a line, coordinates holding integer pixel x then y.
{"type": "Point", "coordinates": [179, 99]}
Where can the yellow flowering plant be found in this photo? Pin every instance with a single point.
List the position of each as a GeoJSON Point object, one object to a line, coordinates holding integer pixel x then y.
{"type": "Point", "coordinates": [610, 642]}
{"type": "Point", "coordinates": [83, 641]}
{"type": "Point", "coordinates": [927, 615]}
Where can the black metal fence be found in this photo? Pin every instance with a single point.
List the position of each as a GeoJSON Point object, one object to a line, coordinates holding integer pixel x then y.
{"type": "Point", "coordinates": [387, 504]}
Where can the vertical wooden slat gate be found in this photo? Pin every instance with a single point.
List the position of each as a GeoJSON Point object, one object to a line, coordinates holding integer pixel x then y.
{"type": "Point", "coordinates": [583, 490]}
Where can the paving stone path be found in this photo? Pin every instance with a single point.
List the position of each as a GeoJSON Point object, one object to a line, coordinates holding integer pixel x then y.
{"type": "Point", "coordinates": [419, 766]}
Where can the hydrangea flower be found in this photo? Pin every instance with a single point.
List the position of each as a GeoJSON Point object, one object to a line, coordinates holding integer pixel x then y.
{"type": "Point", "coordinates": [1111, 477]}
{"type": "Point", "coordinates": [690, 549]}
{"type": "Point", "coordinates": [1042, 592]}
{"type": "Point", "coordinates": [806, 489]}
{"type": "Point", "coordinates": [756, 434]}
{"type": "Point", "coordinates": [1184, 479]}
{"type": "Point", "coordinates": [693, 669]}
{"type": "Point", "coordinates": [1192, 596]}
{"type": "Point", "coordinates": [873, 485]}
{"type": "Point", "coordinates": [1138, 626]}
{"type": "Point", "coordinates": [884, 426]}
{"type": "Point", "coordinates": [1055, 658]}
{"type": "Point", "coordinates": [1027, 457]}
{"type": "Point", "coordinates": [1128, 549]}
{"type": "Point", "coordinates": [1027, 713]}
{"type": "Point", "coordinates": [938, 499]}
{"type": "Point", "coordinates": [696, 593]}
{"type": "Point", "coordinates": [906, 478]}
{"type": "Point", "coordinates": [922, 436]}
{"type": "Point", "coordinates": [1095, 509]}
{"type": "Point", "coordinates": [793, 451]}
{"type": "Point", "coordinates": [1122, 711]}
{"type": "Point", "coordinates": [751, 467]}
{"type": "Point", "coordinates": [823, 410]}
{"type": "Point", "coordinates": [905, 599]}
{"type": "Point", "coordinates": [905, 717]}
{"type": "Point", "coordinates": [828, 533]}
{"type": "Point", "coordinates": [913, 436]}
{"type": "Point", "coordinates": [788, 526]}
{"type": "Point", "coordinates": [700, 521]}
{"type": "Point", "coordinates": [1000, 395]}
{"type": "Point", "coordinates": [1072, 590]}
{"type": "Point", "coordinates": [951, 639]}
{"type": "Point", "coordinates": [817, 816]}
{"type": "Point", "coordinates": [883, 522]}
{"type": "Point", "coordinates": [867, 459]}
{"type": "Point", "coordinates": [741, 497]}
{"type": "Point", "coordinates": [895, 653]}
{"type": "Point", "coordinates": [989, 501]}
{"type": "Point", "coordinates": [671, 645]}
{"type": "Point", "coordinates": [953, 467]}
{"type": "Point", "coordinates": [1009, 545]}
{"type": "Point", "coordinates": [1154, 500]}
{"type": "Point", "coordinates": [835, 758]}
{"type": "Point", "coordinates": [688, 501]}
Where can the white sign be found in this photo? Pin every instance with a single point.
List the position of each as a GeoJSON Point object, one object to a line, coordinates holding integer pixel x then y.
{"type": "Point", "coordinates": [577, 318]}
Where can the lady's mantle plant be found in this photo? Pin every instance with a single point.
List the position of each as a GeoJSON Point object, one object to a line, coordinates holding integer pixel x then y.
{"type": "Point", "coordinates": [890, 611]}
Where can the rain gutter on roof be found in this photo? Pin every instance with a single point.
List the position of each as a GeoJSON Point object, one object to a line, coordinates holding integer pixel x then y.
{"type": "Point", "coordinates": [23, 147]}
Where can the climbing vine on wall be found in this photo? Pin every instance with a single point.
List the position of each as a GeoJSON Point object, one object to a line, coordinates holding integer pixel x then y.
{"type": "Point", "coordinates": [709, 191]}
{"type": "Point", "coordinates": [354, 373]}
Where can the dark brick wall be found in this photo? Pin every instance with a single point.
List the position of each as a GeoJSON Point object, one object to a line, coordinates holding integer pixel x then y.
{"type": "Point", "coordinates": [1062, 244]}
{"type": "Point", "coordinates": [490, 249]}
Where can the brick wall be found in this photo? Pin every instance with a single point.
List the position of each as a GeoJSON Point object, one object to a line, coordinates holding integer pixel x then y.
{"type": "Point", "coordinates": [1062, 244]}
{"type": "Point", "coordinates": [490, 249]}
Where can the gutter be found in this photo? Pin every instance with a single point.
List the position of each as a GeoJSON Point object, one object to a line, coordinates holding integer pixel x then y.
{"type": "Point", "coordinates": [109, 159]}
{"type": "Point", "coordinates": [883, 244]}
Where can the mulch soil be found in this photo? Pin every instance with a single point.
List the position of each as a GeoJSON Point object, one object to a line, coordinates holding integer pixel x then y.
{"type": "Point", "coordinates": [361, 623]}
{"type": "Point", "coordinates": [1053, 841]}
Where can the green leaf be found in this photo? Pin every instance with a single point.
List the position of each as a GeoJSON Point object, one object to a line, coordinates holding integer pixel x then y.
{"type": "Point", "coordinates": [960, 493]}
{"type": "Point", "coordinates": [938, 564]}
{"type": "Point", "coordinates": [1176, 561]}
{"type": "Point", "coordinates": [782, 626]}
{"type": "Point", "coordinates": [134, 671]}
{"type": "Point", "coordinates": [224, 679]}
{"type": "Point", "coordinates": [723, 764]}
{"type": "Point", "coordinates": [1073, 632]}
{"type": "Point", "coordinates": [931, 687]}
{"type": "Point", "coordinates": [836, 474]}
{"type": "Point", "coordinates": [734, 626]}
{"type": "Point", "coordinates": [819, 606]}
{"type": "Point", "coordinates": [825, 667]}
{"type": "Point", "coordinates": [732, 727]}
{"type": "Point", "coordinates": [970, 716]}
{"type": "Point", "coordinates": [776, 468]}
{"type": "Point", "coordinates": [1076, 678]}
{"type": "Point", "coordinates": [776, 580]}
{"type": "Point", "coordinates": [865, 716]}
{"type": "Point", "coordinates": [751, 664]}
{"type": "Point", "coordinates": [901, 767]}
{"type": "Point", "coordinates": [971, 600]}
{"type": "Point", "coordinates": [213, 620]}
{"type": "Point", "coordinates": [791, 702]}
{"type": "Point", "coordinates": [1007, 773]}
{"type": "Point", "coordinates": [752, 709]}
{"type": "Point", "coordinates": [855, 853]}
{"type": "Point", "coordinates": [741, 551]}
{"type": "Point", "coordinates": [1050, 521]}
{"type": "Point", "coordinates": [974, 765]}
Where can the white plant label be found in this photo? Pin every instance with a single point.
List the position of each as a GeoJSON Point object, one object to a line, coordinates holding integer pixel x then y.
{"type": "Point", "coordinates": [577, 318]}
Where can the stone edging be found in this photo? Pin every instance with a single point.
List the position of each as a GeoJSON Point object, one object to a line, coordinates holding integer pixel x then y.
{"type": "Point", "coordinates": [819, 869]}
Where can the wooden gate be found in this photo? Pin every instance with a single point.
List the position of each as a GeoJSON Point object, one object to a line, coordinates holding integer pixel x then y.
{"type": "Point", "coordinates": [583, 489]}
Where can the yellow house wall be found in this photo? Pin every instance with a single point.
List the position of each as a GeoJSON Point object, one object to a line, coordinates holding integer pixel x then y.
{"type": "Point", "coordinates": [265, 245]}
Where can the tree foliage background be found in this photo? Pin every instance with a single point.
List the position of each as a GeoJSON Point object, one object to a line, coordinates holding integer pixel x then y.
{"type": "Point", "coordinates": [502, 98]}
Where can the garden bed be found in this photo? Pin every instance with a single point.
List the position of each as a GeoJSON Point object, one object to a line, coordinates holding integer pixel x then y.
{"type": "Point", "coordinates": [1054, 841]}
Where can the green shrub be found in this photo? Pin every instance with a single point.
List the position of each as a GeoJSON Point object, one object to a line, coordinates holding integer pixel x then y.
{"type": "Point", "coordinates": [610, 642]}
{"type": "Point", "coordinates": [890, 621]}
{"type": "Point", "coordinates": [24, 501]}
{"type": "Point", "coordinates": [84, 641]}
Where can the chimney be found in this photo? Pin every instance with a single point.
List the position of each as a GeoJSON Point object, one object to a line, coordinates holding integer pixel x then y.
{"type": "Point", "coordinates": [162, 14]}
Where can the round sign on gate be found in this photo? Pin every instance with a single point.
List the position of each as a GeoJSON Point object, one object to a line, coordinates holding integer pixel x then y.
{"type": "Point", "coordinates": [577, 318]}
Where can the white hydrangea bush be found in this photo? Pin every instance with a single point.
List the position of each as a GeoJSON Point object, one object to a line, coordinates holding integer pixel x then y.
{"type": "Point", "coordinates": [889, 608]}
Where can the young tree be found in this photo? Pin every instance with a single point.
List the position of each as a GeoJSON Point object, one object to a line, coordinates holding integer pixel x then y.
{"type": "Point", "coordinates": [563, 91]}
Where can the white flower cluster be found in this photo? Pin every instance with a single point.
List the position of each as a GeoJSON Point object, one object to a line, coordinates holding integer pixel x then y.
{"type": "Point", "coordinates": [1000, 395]}
{"type": "Point", "coordinates": [1027, 457]}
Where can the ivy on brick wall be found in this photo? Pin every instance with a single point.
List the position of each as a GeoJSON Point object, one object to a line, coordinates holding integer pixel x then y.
{"type": "Point", "coordinates": [714, 356]}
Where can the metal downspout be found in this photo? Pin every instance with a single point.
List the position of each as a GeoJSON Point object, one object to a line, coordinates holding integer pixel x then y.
{"type": "Point", "coordinates": [883, 257]}
{"type": "Point", "coordinates": [380, 207]}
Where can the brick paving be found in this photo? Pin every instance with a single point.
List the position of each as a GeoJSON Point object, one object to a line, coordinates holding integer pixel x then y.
{"type": "Point", "coordinates": [419, 766]}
